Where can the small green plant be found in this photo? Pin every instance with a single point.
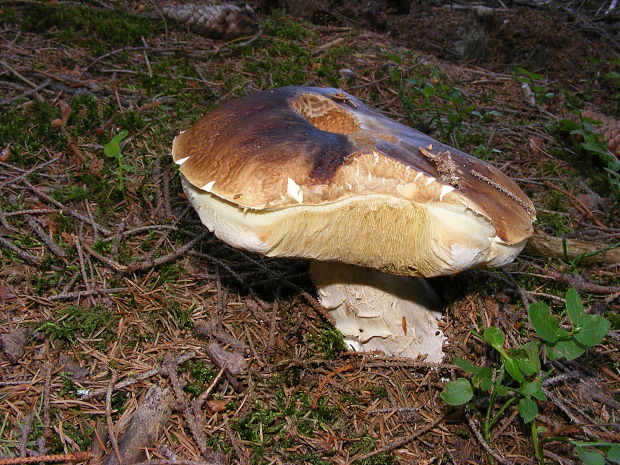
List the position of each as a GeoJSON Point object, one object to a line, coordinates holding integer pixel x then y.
{"type": "Point", "coordinates": [113, 150]}
{"type": "Point", "coordinates": [533, 81]}
{"type": "Point", "coordinates": [433, 105]}
{"type": "Point", "coordinates": [517, 378]}
{"type": "Point", "coordinates": [591, 143]}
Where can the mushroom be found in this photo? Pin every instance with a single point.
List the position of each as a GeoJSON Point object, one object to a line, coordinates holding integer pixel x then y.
{"type": "Point", "coordinates": [375, 205]}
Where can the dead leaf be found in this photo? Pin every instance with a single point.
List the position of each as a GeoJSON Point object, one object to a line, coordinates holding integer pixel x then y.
{"type": "Point", "coordinates": [234, 362]}
{"type": "Point", "coordinates": [216, 405]}
{"type": "Point", "coordinates": [68, 238]}
{"type": "Point", "coordinates": [13, 344]}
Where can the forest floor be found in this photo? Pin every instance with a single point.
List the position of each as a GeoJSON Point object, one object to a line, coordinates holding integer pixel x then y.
{"type": "Point", "coordinates": [110, 288]}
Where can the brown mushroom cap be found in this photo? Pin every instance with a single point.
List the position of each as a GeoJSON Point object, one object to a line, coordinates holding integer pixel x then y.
{"type": "Point", "coordinates": [295, 168]}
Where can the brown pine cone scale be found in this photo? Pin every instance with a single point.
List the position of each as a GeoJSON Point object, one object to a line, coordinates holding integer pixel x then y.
{"type": "Point", "coordinates": [226, 21]}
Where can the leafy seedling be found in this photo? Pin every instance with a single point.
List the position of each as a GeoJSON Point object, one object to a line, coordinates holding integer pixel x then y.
{"type": "Point", "coordinates": [113, 150]}
{"type": "Point", "coordinates": [517, 378]}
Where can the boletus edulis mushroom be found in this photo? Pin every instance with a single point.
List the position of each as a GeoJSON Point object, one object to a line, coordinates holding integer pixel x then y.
{"type": "Point", "coordinates": [375, 205]}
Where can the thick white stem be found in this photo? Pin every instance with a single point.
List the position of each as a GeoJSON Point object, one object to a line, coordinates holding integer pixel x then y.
{"type": "Point", "coordinates": [376, 311]}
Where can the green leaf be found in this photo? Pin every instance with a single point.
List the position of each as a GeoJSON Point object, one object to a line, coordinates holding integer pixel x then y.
{"type": "Point", "coordinates": [512, 367]}
{"type": "Point", "coordinates": [613, 455]}
{"type": "Point", "coordinates": [568, 125]}
{"type": "Point", "coordinates": [595, 147]}
{"type": "Point", "coordinates": [528, 409]}
{"type": "Point", "coordinates": [545, 325]}
{"type": "Point", "coordinates": [428, 90]}
{"type": "Point", "coordinates": [527, 357]}
{"type": "Point", "coordinates": [457, 392]}
{"type": "Point", "coordinates": [483, 379]}
{"type": "Point", "coordinates": [466, 366]}
{"type": "Point", "coordinates": [501, 390]}
{"type": "Point", "coordinates": [590, 457]}
{"type": "Point", "coordinates": [395, 58]}
{"type": "Point", "coordinates": [574, 306]}
{"type": "Point", "coordinates": [569, 350]}
{"type": "Point", "coordinates": [494, 336]}
{"type": "Point", "coordinates": [593, 330]}
{"type": "Point", "coordinates": [533, 389]}
{"type": "Point", "coordinates": [113, 148]}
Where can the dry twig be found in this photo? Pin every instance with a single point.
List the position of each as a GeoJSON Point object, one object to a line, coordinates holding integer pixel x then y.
{"type": "Point", "coordinates": [400, 442]}
{"type": "Point", "coordinates": [108, 415]}
{"type": "Point", "coordinates": [74, 457]}
{"type": "Point", "coordinates": [483, 443]}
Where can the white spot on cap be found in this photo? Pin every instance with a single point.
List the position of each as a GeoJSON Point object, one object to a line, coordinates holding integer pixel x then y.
{"type": "Point", "coordinates": [208, 186]}
{"type": "Point", "coordinates": [445, 190]}
{"type": "Point", "coordinates": [294, 191]}
{"type": "Point", "coordinates": [430, 180]}
{"type": "Point", "coordinates": [417, 176]}
{"type": "Point", "coordinates": [180, 161]}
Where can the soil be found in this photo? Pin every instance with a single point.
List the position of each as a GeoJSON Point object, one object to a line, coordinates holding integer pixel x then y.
{"type": "Point", "coordinates": [558, 42]}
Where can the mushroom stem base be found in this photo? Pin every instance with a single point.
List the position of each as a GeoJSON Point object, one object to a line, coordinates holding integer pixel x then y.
{"type": "Point", "coordinates": [376, 311]}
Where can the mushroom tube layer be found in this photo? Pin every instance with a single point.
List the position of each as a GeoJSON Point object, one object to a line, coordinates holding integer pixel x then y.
{"type": "Point", "coordinates": [377, 231]}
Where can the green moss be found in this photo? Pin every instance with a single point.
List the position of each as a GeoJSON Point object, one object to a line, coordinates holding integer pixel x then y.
{"type": "Point", "coordinates": [97, 30]}
{"type": "Point", "coordinates": [378, 392]}
{"type": "Point", "coordinates": [200, 376]}
{"type": "Point", "coordinates": [278, 26]}
{"type": "Point", "coordinates": [268, 426]}
{"type": "Point", "coordinates": [83, 438]}
{"type": "Point", "coordinates": [365, 445]}
{"type": "Point", "coordinates": [27, 129]}
{"type": "Point", "coordinates": [89, 113]}
{"type": "Point", "coordinates": [75, 320]}
{"type": "Point", "coordinates": [70, 193]}
{"type": "Point", "coordinates": [558, 221]}
{"type": "Point", "coordinates": [167, 273]}
{"type": "Point", "coordinates": [287, 64]}
{"type": "Point", "coordinates": [180, 316]}
{"type": "Point", "coordinates": [329, 64]}
{"type": "Point", "coordinates": [587, 162]}
{"type": "Point", "coordinates": [330, 342]}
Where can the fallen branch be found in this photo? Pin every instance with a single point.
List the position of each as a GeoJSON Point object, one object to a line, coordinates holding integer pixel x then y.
{"type": "Point", "coordinates": [146, 424]}
{"type": "Point", "coordinates": [27, 173]}
{"type": "Point", "coordinates": [46, 238]}
{"type": "Point", "coordinates": [581, 284]}
{"type": "Point", "coordinates": [25, 256]}
{"type": "Point", "coordinates": [542, 245]}
{"type": "Point", "coordinates": [576, 281]}
{"type": "Point", "coordinates": [108, 416]}
{"type": "Point", "coordinates": [78, 294]}
{"type": "Point", "coordinates": [578, 204]}
{"type": "Point", "coordinates": [194, 422]}
{"type": "Point", "coordinates": [142, 265]}
{"type": "Point", "coordinates": [64, 208]}
{"type": "Point", "coordinates": [134, 379]}
{"type": "Point", "coordinates": [179, 462]}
